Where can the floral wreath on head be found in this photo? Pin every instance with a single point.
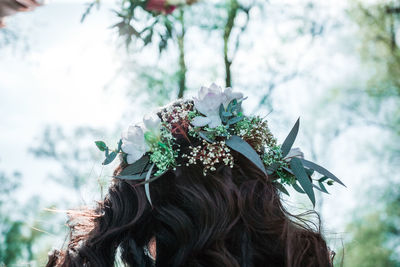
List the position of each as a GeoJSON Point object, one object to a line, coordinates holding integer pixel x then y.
{"type": "Point", "coordinates": [212, 125]}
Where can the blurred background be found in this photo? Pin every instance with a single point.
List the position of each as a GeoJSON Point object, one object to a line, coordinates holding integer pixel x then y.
{"type": "Point", "coordinates": [73, 71]}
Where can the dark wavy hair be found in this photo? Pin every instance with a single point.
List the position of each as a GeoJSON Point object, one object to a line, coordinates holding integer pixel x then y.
{"type": "Point", "coordinates": [231, 217]}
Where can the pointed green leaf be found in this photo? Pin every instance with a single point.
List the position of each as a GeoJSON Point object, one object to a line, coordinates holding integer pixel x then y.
{"type": "Point", "coordinates": [281, 188]}
{"type": "Point", "coordinates": [241, 146]}
{"type": "Point", "coordinates": [147, 185]}
{"type": "Point", "coordinates": [321, 170]}
{"type": "Point", "coordinates": [288, 143]}
{"type": "Point", "coordinates": [235, 120]}
{"type": "Point", "coordinates": [221, 110]}
{"type": "Point", "coordinates": [110, 158]}
{"type": "Point", "coordinates": [323, 188]}
{"type": "Point", "coordinates": [309, 172]}
{"type": "Point", "coordinates": [137, 168]}
{"type": "Point", "coordinates": [101, 145]}
{"type": "Point", "coordinates": [322, 179]}
{"type": "Point", "coordinates": [298, 188]}
{"type": "Point", "coordinates": [288, 170]}
{"type": "Point", "coordinates": [301, 175]}
{"type": "Point", "coordinates": [226, 114]}
{"type": "Point", "coordinates": [119, 145]}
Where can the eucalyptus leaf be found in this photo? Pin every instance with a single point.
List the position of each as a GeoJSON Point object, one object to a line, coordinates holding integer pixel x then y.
{"type": "Point", "coordinates": [235, 120]}
{"type": "Point", "coordinates": [226, 114]}
{"type": "Point", "coordinates": [288, 170]}
{"type": "Point", "coordinates": [321, 170]}
{"type": "Point", "coordinates": [119, 145]}
{"type": "Point", "coordinates": [147, 185]}
{"type": "Point", "coordinates": [101, 145]}
{"type": "Point", "coordinates": [241, 146]}
{"type": "Point", "coordinates": [288, 143]}
{"type": "Point", "coordinates": [298, 188]}
{"type": "Point", "coordinates": [323, 188]}
{"type": "Point", "coordinates": [110, 158]}
{"type": "Point", "coordinates": [281, 188]}
{"type": "Point", "coordinates": [309, 172]}
{"type": "Point", "coordinates": [138, 167]}
{"type": "Point", "coordinates": [301, 175]}
{"type": "Point", "coordinates": [317, 187]}
{"type": "Point", "coordinates": [221, 110]}
{"type": "Point", "coordinates": [323, 178]}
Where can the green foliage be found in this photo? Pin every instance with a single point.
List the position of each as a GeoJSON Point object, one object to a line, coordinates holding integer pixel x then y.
{"type": "Point", "coordinates": [374, 239]}
{"type": "Point", "coordinates": [17, 239]}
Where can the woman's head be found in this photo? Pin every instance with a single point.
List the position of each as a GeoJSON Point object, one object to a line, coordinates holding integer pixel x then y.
{"type": "Point", "coordinates": [205, 186]}
{"type": "Point", "coordinates": [233, 217]}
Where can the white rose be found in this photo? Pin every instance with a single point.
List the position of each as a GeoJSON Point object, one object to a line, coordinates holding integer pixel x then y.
{"type": "Point", "coordinates": [207, 103]}
{"type": "Point", "coordinates": [152, 125]}
{"type": "Point", "coordinates": [294, 153]}
{"type": "Point", "coordinates": [133, 143]}
{"type": "Point", "coordinates": [229, 95]}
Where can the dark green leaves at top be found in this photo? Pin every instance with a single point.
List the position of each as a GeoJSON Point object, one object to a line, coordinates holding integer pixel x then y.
{"type": "Point", "coordinates": [101, 145]}
{"type": "Point", "coordinates": [288, 143]}
{"type": "Point", "coordinates": [241, 146]}
{"type": "Point", "coordinates": [301, 176]}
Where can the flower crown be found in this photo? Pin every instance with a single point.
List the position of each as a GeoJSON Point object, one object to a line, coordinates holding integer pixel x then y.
{"type": "Point", "coordinates": [205, 131]}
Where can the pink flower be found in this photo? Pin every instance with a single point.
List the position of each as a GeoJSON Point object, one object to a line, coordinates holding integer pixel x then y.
{"type": "Point", "coordinates": [160, 6]}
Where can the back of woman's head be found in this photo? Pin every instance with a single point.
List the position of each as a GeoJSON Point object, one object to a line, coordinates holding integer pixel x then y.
{"type": "Point", "coordinates": [211, 201]}
{"type": "Point", "coordinates": [233, 217]}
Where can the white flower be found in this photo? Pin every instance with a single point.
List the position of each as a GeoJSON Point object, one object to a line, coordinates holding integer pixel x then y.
{"type": "Point", "coordinates": [152, 123]}
{"type": "Point", "coordinates": [133, 143]}
{"type": "Point", "coordinates": [229, 95]}
{"type": "Point", "coordinates": [294, 153]}
{"type": "Point", "coordinates": [152, 128]}
{"type": "Point", "coordinates": [208, 102]}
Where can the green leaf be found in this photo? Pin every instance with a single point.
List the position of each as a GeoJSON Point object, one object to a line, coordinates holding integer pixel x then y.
{"type": "Point", "coordinates": [323, 188]}
{"type": "Point", "coordinates": [101, 145]}
{"type": "Point", "coordinates": [110, 158]}
{"type": "Point", "coordinates": [322, 179]}
{"type": "Point", "coordinates": [241, 146]}
{"type": "Point", "coordinates": [231, 105]}
{"type": "Point", "coordinates": [147, 185]}
{"type": "Point", "coordinates": [227, 114]}
{"type": "Point", "coordinates": [301, 175]}
{"type": "Point", "coordinates": [288, 143]}
{"type": "Point", "coordinates": [135, 171]}
{"type": "Point", "coordinates": [309, 172]}
{"type": "Point", "coordinates": [119, 145]}
{"type": "Point", "coordinates": [281, 188]}
{"type": "Point", "coordinates": [221, 110]}
{"type": "Point", "coordinates": [235, 120]}
{"type": "Point", "coordinates": [298, 188]}
{"type": "Point", "coordinates": [321, 170]}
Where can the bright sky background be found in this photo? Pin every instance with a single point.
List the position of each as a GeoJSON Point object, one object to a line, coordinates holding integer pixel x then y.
{"type": "Point", "coordinates": [62, 78]}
